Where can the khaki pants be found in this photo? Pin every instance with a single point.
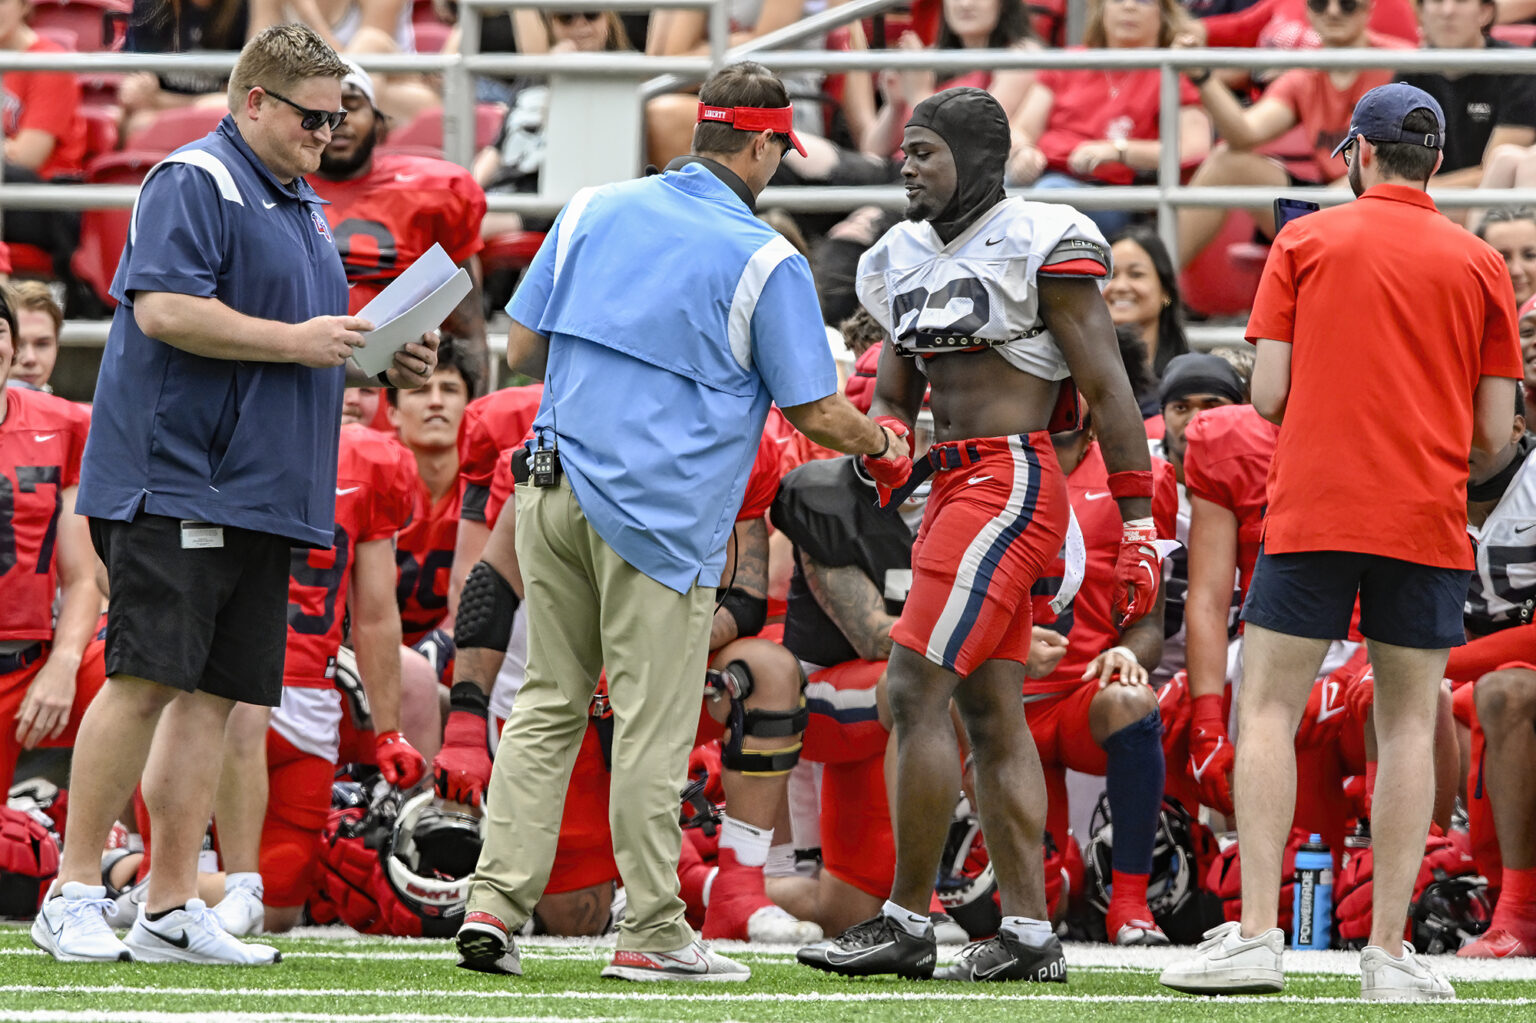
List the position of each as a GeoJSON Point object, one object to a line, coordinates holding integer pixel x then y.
{"type": "Point", "coordinates": [589, 609]}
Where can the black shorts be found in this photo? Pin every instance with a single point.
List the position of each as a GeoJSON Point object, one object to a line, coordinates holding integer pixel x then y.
{"type": "Point", "coordinates": [211, 619]}
{"type": "Point", "coordinates": [1312, 594]}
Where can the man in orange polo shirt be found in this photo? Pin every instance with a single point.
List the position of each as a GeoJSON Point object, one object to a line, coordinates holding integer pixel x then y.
{"type": "Point", "coordinates": [1387, 349]}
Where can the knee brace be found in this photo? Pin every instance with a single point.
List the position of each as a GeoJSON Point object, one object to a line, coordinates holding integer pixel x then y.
{"type": "Point", "coordinates": [734, 681]}
{"type": "Point", "coordinates": [763, 724]}
{"type": "Point", "coordinates": [486, 609]}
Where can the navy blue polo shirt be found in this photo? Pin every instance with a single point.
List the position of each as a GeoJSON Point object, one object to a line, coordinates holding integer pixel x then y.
{"type": "Point", "coordinates": [244, 444]}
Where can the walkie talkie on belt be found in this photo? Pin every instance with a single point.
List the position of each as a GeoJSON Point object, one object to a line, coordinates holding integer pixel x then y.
{"type": "Point", "coordinates": [545, 464]}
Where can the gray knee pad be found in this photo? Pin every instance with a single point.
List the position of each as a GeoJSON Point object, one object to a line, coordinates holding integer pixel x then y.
{"type": "Point", "coordinates": [486, 609]}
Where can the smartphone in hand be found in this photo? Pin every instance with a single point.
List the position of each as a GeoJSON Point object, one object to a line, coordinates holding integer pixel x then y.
{"type": "Point", "coordinates": [1287, 210]}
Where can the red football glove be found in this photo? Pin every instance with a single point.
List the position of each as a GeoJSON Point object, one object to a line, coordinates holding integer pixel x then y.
{"type": "Point", "coordinates": [462, 767]}
{"type": "Point", "coordinates": [398, 760]}
{"type": "Point", "coordinates": [890, 475]}
{"type": "Point", "coordinates": [1211, 754]}
{"type": "Point", "coordinates": [1138, 571]}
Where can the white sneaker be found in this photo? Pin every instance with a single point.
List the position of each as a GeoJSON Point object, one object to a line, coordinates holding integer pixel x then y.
{"type": "Point", "coordinates": [240, 911]}
{"type": "Point", "coordinates": [775, 925]}
{"type": "Point", "coordinates": [71, 926]}
{"type": "Point", "coordinates": [1409, 979]}
{"type": "Point", "coordinates": [1226, 963]}
{"type": "Point", "coordinates": [193, 935]}
{"type": "Point", "coordinates": [693, 962]}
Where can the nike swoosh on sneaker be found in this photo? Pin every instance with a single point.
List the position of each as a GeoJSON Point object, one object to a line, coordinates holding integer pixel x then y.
{"type": "Point", "coordinates": [180, 941]}
{"type": "Point", "coordinates": [984, 974]}
{"type": "Point", "coordinates": [834, 956]}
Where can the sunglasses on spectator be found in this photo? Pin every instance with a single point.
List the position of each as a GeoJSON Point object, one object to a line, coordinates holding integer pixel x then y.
{"type": "Point", "coordinates": [568, 18]}
{"type": "Point", "coordinates": [310, 120]}
{"type": "Point", "coordinates": [1345, 6]}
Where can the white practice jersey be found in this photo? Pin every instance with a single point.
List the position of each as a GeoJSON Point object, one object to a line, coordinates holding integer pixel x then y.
{"type": "Point", "coordinates": [981, 288]}
{"type": "Point", "coordinates": [1503, 590]}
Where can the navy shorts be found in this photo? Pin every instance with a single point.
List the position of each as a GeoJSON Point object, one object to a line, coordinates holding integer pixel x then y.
{"type": "Point", "coordinates": [1312, 594]}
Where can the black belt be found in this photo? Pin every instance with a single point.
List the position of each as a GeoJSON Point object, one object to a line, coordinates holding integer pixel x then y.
{"type": "Point", "coordinates": [955, 454]}
{"type": "Point", "coordinates": [19, 659]}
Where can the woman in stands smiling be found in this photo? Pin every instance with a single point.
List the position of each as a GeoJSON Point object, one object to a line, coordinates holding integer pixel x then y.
{"type": "Point", "coordinates": [1100, 126]}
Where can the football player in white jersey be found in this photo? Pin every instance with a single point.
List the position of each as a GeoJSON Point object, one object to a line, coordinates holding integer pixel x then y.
{"type": "Point", "coordinates": [996, 303]}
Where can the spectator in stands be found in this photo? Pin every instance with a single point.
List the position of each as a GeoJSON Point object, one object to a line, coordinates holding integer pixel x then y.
{"type": "Point", "coordinates": [1100, 127]}
{"type": "Point", "coordinates": [1319, 101]}
{"type": "Point", "coordinates": [178, 26]}
{"type": "Point", "coordinates": [44, 136]}
{"type": "Point", "coordinates": [1143, 292]}
{"type": "Point", "coordinates": [966, 25]}
{"type": "Point", "coordinates": [38, 323]}
{"type": "Point", "coordinates": [1490, 118]}
{"type": "Point", "coordinates": [512, 163]}
{"type": "Point", "coordinates": [360, 26]}
{"type": "Point", "coordinates": [1512, 231]}
{"type": "Point", "coordinates": [1284, 25]}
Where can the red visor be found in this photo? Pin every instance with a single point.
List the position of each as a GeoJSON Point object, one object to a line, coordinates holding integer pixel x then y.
{"type": "Point", "coordinates": [777, 119]}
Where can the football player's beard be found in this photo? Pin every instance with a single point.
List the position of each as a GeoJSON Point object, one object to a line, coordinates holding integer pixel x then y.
{"type": "Point", "coordinates": [343, 168]}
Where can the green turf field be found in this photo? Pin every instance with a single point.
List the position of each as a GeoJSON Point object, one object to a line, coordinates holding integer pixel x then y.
{"type": "Point", "coordinates": [327, 977]}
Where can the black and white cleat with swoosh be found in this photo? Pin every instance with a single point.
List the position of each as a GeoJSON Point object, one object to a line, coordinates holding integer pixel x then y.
{"type": "Point", "coordinates": [876, 946]}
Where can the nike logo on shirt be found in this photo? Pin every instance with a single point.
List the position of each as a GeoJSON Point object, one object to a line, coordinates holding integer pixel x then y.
{"type": "Point", "coordinates": [976, 479]}
{"type": "Point", "coordinates": [267, 205]}
{"type": "Point", "coordinates": [349, 490]}
{"type": "Point", "coordinates": [1090, 496]}
{"type": "Point", "coordinates": [405, 178]}
{"type": "Point", "coordinates": [40, 437]}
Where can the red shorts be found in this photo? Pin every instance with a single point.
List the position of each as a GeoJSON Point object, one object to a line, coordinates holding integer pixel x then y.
{"type": "Point", "coordinates": [857, 844]}
{"type": "Point", "coordinates": [844, 724]}
{"type": "Point", "coordinates": [89, 678]}
{"type": "Point", "coordinates": [299, 801]}
{"type": "Point", "coordinates": [991, 527]}
{"type": "Point", "coordinates": [1061, 732]}
{"type": "Point", "coordinates": [584, 853]}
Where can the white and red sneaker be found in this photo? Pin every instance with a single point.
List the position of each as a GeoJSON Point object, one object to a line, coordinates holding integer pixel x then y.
{"type": "Point", "coordinates": [485, 944]}
{"type": "Point", "coordinates": [692, 962]}
{"type": "Point", "coordinates": [1499, 944]}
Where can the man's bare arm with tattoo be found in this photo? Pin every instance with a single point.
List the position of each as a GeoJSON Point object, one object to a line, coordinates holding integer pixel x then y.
{"type": "Point", "coordinates": [854, 604]}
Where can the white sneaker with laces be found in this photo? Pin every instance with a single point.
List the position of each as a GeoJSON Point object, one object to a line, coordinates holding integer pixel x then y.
{"type": "Point", "coordinates": [692, 962]}
{"type": "Point", "coordinates": [71, 926]}
{"type": "Point", "coordinates": [775, 925]}
{"type": "Point", "coordinates": [1226, 963]}
{"type": "Point", "coordinates": [193, 935]}
{"type": "Point", "coordinates": [1409, 979]}
{"type": "Point", "coordinates": [240, 911]}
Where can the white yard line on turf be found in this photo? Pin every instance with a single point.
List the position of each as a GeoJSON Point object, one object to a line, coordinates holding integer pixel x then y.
{"type": "Point", "coordinates": [683, 993]}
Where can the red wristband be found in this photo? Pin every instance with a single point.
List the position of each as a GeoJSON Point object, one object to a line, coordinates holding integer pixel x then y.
{"type": "Point", "coordinates": [1131, 483]}
{"type": "Point", "coordinates": [1208, 707]}
{"type": "Point", "coordinates": [383, 737]}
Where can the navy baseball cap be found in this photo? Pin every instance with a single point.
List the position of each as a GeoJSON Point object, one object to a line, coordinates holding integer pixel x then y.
{"type": "Point", "coordinates": [1379, 116]}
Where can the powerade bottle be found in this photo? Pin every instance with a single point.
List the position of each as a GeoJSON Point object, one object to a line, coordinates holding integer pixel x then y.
{"type": "Point", "coordinates": [1312, 911]}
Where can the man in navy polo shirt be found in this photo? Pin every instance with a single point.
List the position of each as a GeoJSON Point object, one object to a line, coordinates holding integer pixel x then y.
{"type": "Point", "coordinates": [213, 453]}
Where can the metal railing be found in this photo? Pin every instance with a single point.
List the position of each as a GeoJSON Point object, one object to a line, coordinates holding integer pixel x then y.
{"type": "Point", "coordinates": [655, 74]}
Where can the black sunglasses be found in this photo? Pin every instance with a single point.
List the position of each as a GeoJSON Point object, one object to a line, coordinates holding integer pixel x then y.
{"type": "Point", "coordinates": [569, 17]}
{"type": "Point", "coordinates": [310, 120]}
{"type": "Point", "coordinates": [1345, 6]}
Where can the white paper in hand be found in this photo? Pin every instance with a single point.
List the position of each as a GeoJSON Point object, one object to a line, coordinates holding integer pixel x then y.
{"type": "Point", "coordinates": [417, 301]}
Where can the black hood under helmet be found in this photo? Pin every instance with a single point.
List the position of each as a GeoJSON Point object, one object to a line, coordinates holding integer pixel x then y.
{"type": "Point", "coordinates": [972, 123]}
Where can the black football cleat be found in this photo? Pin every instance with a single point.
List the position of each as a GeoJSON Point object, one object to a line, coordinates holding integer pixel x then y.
{"type": "Point", "coordinates": [878, 945]}
{"type": "Point", "coordinates": [1006, 958]}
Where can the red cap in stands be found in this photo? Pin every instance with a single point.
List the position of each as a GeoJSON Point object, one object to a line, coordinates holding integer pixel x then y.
{"type": "Point", "coordinates": [776, 119]}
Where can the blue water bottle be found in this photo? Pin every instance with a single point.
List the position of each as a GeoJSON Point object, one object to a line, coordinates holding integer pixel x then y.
{"type": "Point", "coordinates": [1312, 910]}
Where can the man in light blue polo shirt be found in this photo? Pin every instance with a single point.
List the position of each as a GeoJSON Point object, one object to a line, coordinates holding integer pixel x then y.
{"type": "Point", "coordinates": [212, 453]}
{"type": "Point", "coordinates": [664, 319]}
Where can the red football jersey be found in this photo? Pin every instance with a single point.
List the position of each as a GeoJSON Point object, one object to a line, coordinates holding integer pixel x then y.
{"type": "Point", "coordinates": [1090, 619]}
{"type": "Point", "coordinates": [375, 499]}
{"type": "Point", "coordinates": [424, 557]}
{"type": "Point", "coordinates": [492, 425]}
{"type": "Point", "coordinates": [1227, 463]}
{"type": "Point", "coordinates": [41, 441]}
{"type": "Point", "coordinates": [385, 220]}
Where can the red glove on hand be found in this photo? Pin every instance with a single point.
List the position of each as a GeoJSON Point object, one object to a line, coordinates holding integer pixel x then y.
{"type": "Point", "coordinates": [462, 767]}
{"type": "Point", "coordinates": [1211, 754]}
{"type": "Point", "coordinates": [890, 475]}
{"type": "Point", "coordinates": [1138, 571]}
{"type": "Point", "coordinates": [398, 760]}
